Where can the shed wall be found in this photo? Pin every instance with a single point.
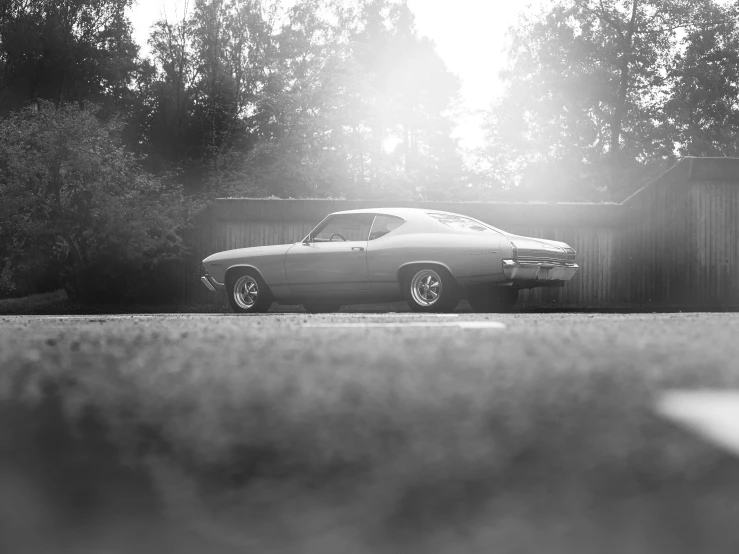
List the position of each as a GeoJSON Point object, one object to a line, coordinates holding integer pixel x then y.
{"type": "Point", "coordinates": [712, 269]}
{"type": "Point", "coordinates": [673, 244]}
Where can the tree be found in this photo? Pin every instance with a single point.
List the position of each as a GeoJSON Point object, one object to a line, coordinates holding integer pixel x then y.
{"type": "Point", "coordinates": [299, 119]}
{"type": "Point", "coordinates": [702, 106]}
{"type": "Point", "coordinates": [64, 50]}
{"type": "Point", "coordinates": [405, 100]}
{"type": "Point", "coordinates": [586, 89]}
{"type": "Point", "coordinates": [75, 201]}
{"type": "Point", "coordinates": [323, 99]}
{"type": "Point", "coordinates": [166, 90]}
{"type": "Point", "coordinates": [206, 70]}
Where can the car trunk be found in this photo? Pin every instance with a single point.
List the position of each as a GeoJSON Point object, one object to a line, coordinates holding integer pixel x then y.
{"type": "Point", "coordinates": [529, 249]}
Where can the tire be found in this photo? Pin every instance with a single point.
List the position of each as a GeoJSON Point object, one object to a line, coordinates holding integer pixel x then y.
{"type": "Point", "coordinates": [247, 292]}
{"type": "Point", "coordinates": [321, 308]}
{"type": "Point", "coordinates": [492, 299]}
{"type": "Point", "coordinates": [430, 289]}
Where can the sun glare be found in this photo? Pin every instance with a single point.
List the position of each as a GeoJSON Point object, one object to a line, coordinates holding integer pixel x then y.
{"type": "Point", "coordinates": [469, 36]}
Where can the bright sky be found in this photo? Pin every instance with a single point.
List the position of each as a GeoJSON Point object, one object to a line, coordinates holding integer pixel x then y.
{"type": "Point", "coordinates": [469, 36]}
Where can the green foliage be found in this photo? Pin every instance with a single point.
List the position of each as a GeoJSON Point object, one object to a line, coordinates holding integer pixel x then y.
{"type": "Point", "coordinates": [76, 203]}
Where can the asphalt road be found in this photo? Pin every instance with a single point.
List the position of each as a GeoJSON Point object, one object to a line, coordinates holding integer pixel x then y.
{"type": "Point", "coordinates": [529, 432]}
{"type": "Point", "coordinates": [528, 340]}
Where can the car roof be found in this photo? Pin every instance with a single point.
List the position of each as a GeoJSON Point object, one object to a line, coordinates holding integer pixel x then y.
{"type": "Point", "coordinates": [405, 213]}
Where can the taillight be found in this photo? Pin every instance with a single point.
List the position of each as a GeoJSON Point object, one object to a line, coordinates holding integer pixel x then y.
{"type": "Point", "coordinates": [515, 250]}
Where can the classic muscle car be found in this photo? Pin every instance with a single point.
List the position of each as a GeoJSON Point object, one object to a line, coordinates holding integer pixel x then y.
{"type": "Point", "coordinates": [430, 258]}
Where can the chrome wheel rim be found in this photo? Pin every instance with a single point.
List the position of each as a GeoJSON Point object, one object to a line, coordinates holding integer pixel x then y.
{"type": "Point", "coordinates": [426, 287]}
{"type": "Point", "coordinates": [246, 292]}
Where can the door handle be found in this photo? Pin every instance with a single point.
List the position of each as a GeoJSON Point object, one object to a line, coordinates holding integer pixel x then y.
{"type": "Point", "coordinates": [360, 248]}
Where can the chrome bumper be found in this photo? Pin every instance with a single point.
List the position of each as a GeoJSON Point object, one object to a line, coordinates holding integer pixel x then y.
{"type": "Point", "coordinates": [538, 271]}
{"type": "Point", "coordinates": [207, 283]}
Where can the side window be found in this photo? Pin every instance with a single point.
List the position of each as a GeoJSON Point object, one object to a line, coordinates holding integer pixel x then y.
{"type": "Point", "coordinates": [383, 225]}
{"type": "Point", "coordinates": [462, 223]}
{"type": "Point", "coordinates": [350, 227]}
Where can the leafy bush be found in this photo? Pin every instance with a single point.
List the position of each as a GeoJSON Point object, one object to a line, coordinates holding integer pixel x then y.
{"type": "Point", "coordinates": [79, 212]}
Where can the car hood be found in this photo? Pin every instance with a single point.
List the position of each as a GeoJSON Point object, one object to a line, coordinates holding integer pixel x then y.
{"type": "Point", "coordinates": [251, 252]}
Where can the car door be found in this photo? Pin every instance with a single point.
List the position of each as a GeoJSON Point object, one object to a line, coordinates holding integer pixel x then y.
{"type": "Point", "coordinates": [332, 261]}
{"type": "Point", "coordinates": [385, 254]}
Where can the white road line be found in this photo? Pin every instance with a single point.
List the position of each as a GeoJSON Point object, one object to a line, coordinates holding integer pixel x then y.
{"type": "Point", "coordinates": [712, 415]}
{"type": "Point", "coordinates": [403, 324]}
{"type": "Point", "coordinates": [391, 314]}
{"type": "Point", "coordinates": [481, 325]}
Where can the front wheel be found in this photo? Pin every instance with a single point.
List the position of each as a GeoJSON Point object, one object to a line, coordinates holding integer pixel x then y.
{"type": "Point", "coordinates": [248, 293]}
{"type": "Point", "coordinates": [492, 299]}
{"type": "Point", "coordinates": [430, 289]}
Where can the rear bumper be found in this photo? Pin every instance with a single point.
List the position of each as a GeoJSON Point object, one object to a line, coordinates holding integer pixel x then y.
{"type": "Point", "coordinates": [543, 271]}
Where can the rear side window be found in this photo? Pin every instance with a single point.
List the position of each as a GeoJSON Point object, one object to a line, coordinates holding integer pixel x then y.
{"type": "Point", "coordinates": [383, 225]}
{"type": "Point", "coordinates": [462, 223]}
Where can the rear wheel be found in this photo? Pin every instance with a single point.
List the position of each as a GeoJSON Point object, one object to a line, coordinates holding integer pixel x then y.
{"type": "Point", "coordinates": [321, 307]}
{"type": "Point", "coordinates": [430, 289]}
{"type": "Point", "coordinates": [492, 299]}
{"type": "Point", "coordinates": [247, 292]}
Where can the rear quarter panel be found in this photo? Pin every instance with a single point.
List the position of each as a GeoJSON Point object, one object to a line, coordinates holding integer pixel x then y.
{"type": "Point", "coordinates": [469, 257]}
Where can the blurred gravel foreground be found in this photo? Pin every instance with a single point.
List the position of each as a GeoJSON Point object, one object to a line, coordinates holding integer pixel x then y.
{"type": "Point", "coordinates": [282, 433]}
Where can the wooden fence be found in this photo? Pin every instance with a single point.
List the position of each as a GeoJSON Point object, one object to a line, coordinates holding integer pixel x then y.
{"type": "Point", "coordinates": [672, 245]}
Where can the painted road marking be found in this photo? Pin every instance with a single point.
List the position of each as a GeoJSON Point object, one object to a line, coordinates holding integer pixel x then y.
{"type": "Point", "coordinates": [712, 415]}
{"type": "Point", "coordinates": [481, 325]}
{"type": "Point", "coordinates": [404, 324]}
{"type": "Point", "coordinates": [390, 314]}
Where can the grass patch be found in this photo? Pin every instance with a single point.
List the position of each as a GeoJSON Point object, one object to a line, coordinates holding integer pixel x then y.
{"type": "Point", "coordinates": [57, 303]}
{"type": "Point", "coordinates": [207, 434]}
{"type": "Point", "coordinates": [28, 304]}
